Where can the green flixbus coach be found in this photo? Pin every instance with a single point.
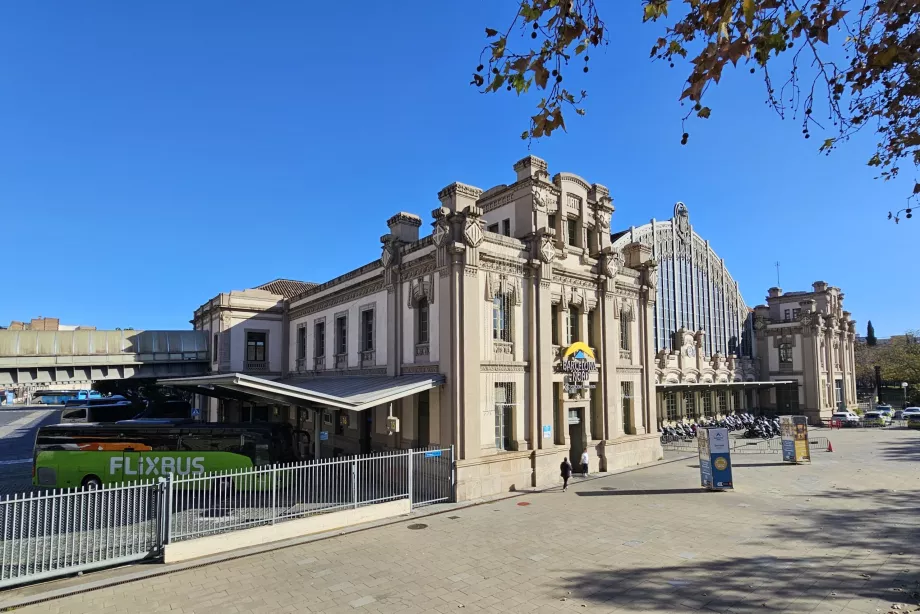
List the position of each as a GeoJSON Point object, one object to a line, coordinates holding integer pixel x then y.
{"type": "Point", "coordinates": [91, 455]}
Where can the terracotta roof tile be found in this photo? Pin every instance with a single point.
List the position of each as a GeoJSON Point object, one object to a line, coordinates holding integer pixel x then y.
{"type": "Point", "coordinates": [286, 287]}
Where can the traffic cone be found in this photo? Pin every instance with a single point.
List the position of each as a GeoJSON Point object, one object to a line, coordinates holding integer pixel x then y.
{"type": "Point", "coordinates": [830, 447]}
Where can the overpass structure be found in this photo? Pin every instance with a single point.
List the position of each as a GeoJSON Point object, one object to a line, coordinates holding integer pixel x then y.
{"type": "Point", "coordinates": [33, 359]}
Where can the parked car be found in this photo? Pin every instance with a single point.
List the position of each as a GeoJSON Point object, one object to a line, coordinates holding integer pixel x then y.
{"type": "Point", "coordinates": [875, 418]}
{"type": "Point", "coordinates": [847, 418]}
{"type": "Point", "coordinates": [909, 411]}
{"type": "Point", "coordinates": [884, 409]}
{"type": "Point", "coordinates": [913, 421]}
{"type": "Point", "coordinates": [898, 414]}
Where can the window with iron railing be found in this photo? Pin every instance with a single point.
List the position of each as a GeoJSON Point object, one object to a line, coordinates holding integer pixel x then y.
{"type": "Point", "coordinates": [501, 317]}
{"type": "Point", "coordinates": [504, 424]}
{"type": "Point", "coordinates": [626, 396]}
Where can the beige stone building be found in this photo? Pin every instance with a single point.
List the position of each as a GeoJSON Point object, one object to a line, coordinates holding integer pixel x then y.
{"type": "Point", "coordinates": [515, 331]}
{"type": "Point", "coordinates": [807, 337]}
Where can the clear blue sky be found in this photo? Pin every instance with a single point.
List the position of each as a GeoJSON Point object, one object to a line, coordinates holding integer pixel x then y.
{"type": "Point", "coordinates": [155, 154]}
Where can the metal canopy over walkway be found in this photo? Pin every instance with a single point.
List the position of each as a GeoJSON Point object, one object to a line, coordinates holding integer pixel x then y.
{"type": "Point", "coordinates": [355, 392]}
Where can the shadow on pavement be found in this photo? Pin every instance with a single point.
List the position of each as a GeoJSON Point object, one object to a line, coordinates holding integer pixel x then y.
{"type": "Point", "coordinates": [908, 451]}
{"type": "Point", "coordinates": [747, 585]}
{"type": "Point", "coordinates": [853, 548]}
{"type": "Point", "coordinates": [666, 491]}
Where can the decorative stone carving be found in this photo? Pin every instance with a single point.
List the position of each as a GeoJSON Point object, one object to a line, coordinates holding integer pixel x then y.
{"type": "Point", "coordinates": [498, 284]}
{"type": "Point", "coordinates": [539, 201]}
{"type": "Point", "coordinates": [613, 262]}
{"type": "Point", "coordinates": [547, 249]}
{"type": "Point", "coordinates": [440, 233]}
{"type": "Point", "coordinates": [473, 232]}
{"type": "Point", "coordinates": [682, 220]}
{"type": "Point", "coordinates": [388, 256]}
{"type": "Point", "coordinates": [760, 323]}
{"type": "Point", "coordinates": [420, 288]}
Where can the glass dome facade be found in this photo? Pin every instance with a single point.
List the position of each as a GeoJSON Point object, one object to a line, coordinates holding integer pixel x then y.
{"type": "Point", "coordinates": [695, 291]}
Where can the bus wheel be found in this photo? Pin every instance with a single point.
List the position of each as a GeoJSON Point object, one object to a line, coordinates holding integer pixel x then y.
{"type": "Point", "coordinates": [91, 482]}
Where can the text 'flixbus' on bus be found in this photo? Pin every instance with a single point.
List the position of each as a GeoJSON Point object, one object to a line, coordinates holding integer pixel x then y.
{"type": "Point", "coordinates": [90, 455]}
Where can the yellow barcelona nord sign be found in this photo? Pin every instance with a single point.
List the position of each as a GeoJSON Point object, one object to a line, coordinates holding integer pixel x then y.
{"type": "Point", "coordinates": [578, 363]}
{"type": "Point", "coordinates": [579, 351]}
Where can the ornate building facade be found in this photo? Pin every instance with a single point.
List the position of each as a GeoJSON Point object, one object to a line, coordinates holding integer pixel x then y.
{"type": "Point", "coordinates": [703, 335]}
{"type": "Point", "coordinates": [515, 331]}
{"type": "Point", "coordinates": [808, 338]}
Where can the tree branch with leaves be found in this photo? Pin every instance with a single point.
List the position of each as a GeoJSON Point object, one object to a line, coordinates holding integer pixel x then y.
{"type": "Point", "coordinates": [875, 83]}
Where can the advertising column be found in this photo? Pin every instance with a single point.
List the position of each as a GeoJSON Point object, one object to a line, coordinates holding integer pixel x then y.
{"type": "Point", "coordinates": [720, 458]}
{"type": "Point", "coordinates": [787, 431]}
{"type": "Point", "coordinates": [702, 442]}
{"type": "Point", "coordinates": [802, 453]}
{"type": "Point", "coordinates": [715, 458]}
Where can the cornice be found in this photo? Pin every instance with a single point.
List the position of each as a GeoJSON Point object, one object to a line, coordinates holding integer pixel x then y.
{"type": "Point", "coordinates": [343, 296]}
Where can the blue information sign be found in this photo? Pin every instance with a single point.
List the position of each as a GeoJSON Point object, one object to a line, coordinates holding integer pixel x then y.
{"type": "Point", "coordinates": [432, 453]}
{"type": "Point", "coordinates": [715, 458]}
{"type": "Point", "coordinates": [324, 435]}
{"type": "Point", "coordinates": [547, 431]}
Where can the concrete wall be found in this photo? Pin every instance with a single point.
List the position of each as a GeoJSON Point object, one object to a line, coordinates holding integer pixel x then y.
{"type": "Point", "coordinates": [289, 529]}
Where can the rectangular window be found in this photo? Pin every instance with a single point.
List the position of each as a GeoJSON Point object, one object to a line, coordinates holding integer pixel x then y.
{"type": "Point", "coordinates": [319, 339]}
{"type": "Point", "coordinates": [504, 426]}
{"type": "Point", "coordinates": [424, 419]}
{"type": "Point", "coordinates": [786, 315]}
{"type": "Point", "coordinates": [214, 347]}
{"type": "Point", "coordinates": [722, 398]}
{"type": "Point", "coordinates": [255, 346]}
{"type": "Point", "coordinates": [554, 315]}
{"type": "Point", "coordinates": [341, 335]}
{"type": "Point", "coordinates": [551, 221]}
{"type": "Point", "coordinates": [626, 396]}
{"type": "Point", "coordinates": [573, 232]}
{"type": "Point", "coordinates": [838, 391]}
{"type": "Point", "coordinates": [571, 320]}
{"type": "Point", "coordinates": [707, 404]}
{"type": "Point", "coordinates": [367, 330]}
{"type": "Point", "coordinates": [506, 228]}
{"type": "Point", "coordinates": [690, 404]}
{"type": "Point", "coordinates": [422, 321]}
{"type": "Point", "coordinates": [590, 340]}
{"type": "Point", "coordinates": [670, 403]}
{"type": "Point", "coordinates": [301, 342]}
{"type": "Point", "coordinates": [493, 228]}
{"type": "Point", "coordinates": [501, 318]}
{"type": "Point", "coordinates": [624, 332]}
{"type": "Point", "coordinates": [795, 313]}
{"type": "Point", "coordinates": [736, 397]}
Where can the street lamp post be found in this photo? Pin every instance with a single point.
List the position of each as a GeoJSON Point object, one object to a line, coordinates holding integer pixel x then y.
{"type": "Point", "coordinates": [904, 388]}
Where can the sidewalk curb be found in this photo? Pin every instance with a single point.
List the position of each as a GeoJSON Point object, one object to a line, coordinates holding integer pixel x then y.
{"type": "Point", "coordinates": [155, 570]}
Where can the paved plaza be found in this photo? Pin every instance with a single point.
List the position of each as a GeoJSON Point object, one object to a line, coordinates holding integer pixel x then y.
{"type": "Point", "coordinates": [840, 535]}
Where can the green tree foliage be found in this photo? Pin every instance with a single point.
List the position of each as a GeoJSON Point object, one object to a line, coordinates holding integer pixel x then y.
{"type": "Point", "coordinates": [899, 360]}
{"type": "Point", "coordinates": [870, 334]}
{"type": "Point", "coordinates": [856, 60]}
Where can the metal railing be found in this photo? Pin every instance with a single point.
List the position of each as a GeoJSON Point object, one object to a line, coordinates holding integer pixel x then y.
{"type": "Point", "coordinates": [747, 446]}
{"type": "Point", "coordinates": [67, 531]}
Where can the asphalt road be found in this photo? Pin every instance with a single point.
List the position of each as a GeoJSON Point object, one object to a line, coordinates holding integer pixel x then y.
{"type": "Point", "coordinates": [17, 435]}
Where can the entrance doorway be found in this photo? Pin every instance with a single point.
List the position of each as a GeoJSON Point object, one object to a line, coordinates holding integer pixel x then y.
{"type": "Point", "coordinates": [787, 400]}
{"type": "Point", "coordinates": [424, 421]}
{"type": "Point", "coordinates": [577, 437]}
{"type": "Point", "coordinates": [366, 428]}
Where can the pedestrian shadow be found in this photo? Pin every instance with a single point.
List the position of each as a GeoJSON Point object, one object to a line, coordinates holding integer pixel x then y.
{"type": "Point", "coordinates": [661, 491]}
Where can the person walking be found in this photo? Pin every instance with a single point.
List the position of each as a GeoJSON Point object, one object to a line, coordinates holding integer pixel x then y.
{"type": "Point", "coordinates": [565, 469]}
{"type": "Point", "coordinates": [584, 463]}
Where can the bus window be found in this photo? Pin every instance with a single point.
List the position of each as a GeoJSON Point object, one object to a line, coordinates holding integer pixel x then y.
{"type": "Point", "coordinates": [77, 414]}
{"type": "Point", "coordinates": [111, 413]}
{"type": "Point", "coordinates": [256, 448]}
